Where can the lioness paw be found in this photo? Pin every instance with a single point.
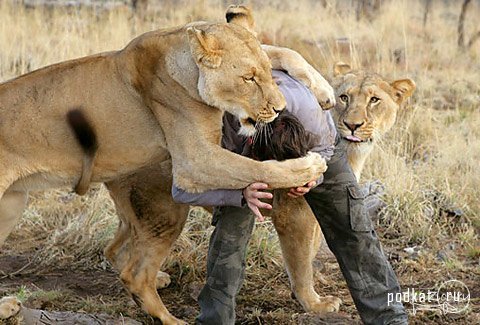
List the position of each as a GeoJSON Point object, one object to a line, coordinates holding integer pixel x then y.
{"type": "Point", "coordinates": [317, 162]}
{"type": "Point", "coordinates": [9, 307]}
{"type": "Point", "coordinates": [311, 167]}
{"type": "Point", "coordinates": [320, 87]}
{"type": "Point", "coordinates": [173, 321]}
{"type": "Point", "coordinates": [328, 304]}
{"type": "Point", "coordinates": [324, 93]}
{"type": "Point", "coordinates": [163, 280]}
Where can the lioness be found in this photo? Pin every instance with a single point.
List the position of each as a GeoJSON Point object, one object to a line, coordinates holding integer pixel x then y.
{"type": "Point", "coordinates": [160, 98]}
{"type": "Point", "coordinates": [366, 108]}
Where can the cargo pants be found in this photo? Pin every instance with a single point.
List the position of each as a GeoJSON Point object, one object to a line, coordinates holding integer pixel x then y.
{"type": "Point", "coordinates": [338, 205]}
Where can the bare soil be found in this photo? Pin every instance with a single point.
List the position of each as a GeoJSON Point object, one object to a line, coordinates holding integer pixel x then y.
{"type": "Point", "coordinates": [264, 299]}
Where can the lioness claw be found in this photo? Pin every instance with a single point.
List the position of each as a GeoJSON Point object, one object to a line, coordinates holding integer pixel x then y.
{"type": "Point", "coordinates": [327, 304]}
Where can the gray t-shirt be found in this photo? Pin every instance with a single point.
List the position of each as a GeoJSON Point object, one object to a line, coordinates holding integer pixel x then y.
{"type": "Point", "coordinates": [301, 103]}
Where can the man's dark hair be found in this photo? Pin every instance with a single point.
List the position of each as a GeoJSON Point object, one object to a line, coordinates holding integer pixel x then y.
{"type": "Point", "coordinates": [284, 138]}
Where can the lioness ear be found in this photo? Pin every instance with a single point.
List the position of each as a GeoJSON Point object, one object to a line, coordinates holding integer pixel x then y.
{"type": "Point", "coordinates": [404, 88]}
{"type": "Point", "coordinates": [341, 68]}
{"type": "Point", "coordinates": [204, 48]}
{"type": "Point", "coordinates": [242, 16]}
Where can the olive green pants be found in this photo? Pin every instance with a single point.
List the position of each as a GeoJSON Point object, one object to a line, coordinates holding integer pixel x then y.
{"type": "Point", "coordinates": [338, 204]}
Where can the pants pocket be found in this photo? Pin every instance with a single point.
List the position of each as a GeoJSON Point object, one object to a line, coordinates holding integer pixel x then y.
{"type": "Point", "coordinates": [359, 218]}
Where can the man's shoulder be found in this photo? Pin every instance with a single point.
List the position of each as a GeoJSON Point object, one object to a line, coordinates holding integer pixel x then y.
{"type": "Point", "coordinates": [281, 77]}
{"type": "Point", "coordinates": [297, 95]}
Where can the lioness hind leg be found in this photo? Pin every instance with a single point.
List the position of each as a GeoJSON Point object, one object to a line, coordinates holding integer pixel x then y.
{"type": "Point", "coordinates": [299, 235]}
{"type": "Point", "coordinates": [120, 240]}
{"type": "Point", "coordinates": [146, 254]}
{"type": "Point", "coordinates": [139, 277]}
{"type": "Point", "coordinates": [11, 207]}
{"type": "Point", "coordinates": [117, 254]}
{"type": "Point", "coordinates": [150, 223]}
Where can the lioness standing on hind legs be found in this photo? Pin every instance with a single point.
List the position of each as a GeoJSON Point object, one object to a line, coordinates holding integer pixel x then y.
{"type": "Point", "coordinates": [338, 205]}
{"type": "Point", "coordinates": [158, 103]}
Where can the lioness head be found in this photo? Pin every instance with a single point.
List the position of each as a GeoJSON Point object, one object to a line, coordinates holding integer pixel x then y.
{"type": "Point", "coordinates": [367, 105]}
{"type": "Point", "coordinates": [235, 74]}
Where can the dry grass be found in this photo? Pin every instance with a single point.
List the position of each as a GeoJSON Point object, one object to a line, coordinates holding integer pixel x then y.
{"type": "Point", "coordinates": [435, 148]}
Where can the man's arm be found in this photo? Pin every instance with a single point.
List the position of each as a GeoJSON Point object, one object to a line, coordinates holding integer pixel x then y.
{"type": "Point", "coordinates": [249, 196]}
{"type": "Point", "coordinates": [208, 198]}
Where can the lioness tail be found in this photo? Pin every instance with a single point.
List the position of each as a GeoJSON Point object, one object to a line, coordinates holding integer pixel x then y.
{"type": "Point", "coordinates": [86, 137]}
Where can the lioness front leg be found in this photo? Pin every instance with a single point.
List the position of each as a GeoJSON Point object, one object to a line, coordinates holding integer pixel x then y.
{"type": "Point", "coordinates": [300, 236]}
{"type": "Point", "coordinates": [231, 171]}
{"type": "Point", "coordinates": [201, 164]}
{"type": "Point", "coordinates": [283, 58]}
{"type": "Point", "coordinates": [12, 205]}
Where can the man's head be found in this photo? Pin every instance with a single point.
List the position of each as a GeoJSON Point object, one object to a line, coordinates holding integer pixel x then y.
{"type": "Point", "coordinates": [284, 138]}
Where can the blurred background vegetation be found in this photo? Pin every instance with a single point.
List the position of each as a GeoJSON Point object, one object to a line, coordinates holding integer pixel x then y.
{"type": "Point", "coordinates": [429, 162]}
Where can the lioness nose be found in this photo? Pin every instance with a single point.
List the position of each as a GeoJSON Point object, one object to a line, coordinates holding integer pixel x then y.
{"type": "Point", "coordinates": [352, 126]}
{"type": "Point", "coordinates": [277, 110]}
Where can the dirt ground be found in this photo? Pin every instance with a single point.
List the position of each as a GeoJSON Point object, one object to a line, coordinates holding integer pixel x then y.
{"type": "Point", "coordinates": [264, 299]}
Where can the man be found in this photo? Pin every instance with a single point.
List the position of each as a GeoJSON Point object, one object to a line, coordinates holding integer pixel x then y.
{"type": "Point", "coordinates": [337, 202]}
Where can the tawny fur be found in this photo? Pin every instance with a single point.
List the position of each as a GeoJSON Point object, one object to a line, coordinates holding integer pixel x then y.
{"type": "Point", "coordinates": [286, 59]}
{"type": "Point", "coordinates": [298, 230]}
{"type": "Point", "coordinates": [296, 225]}
{"type": "Point", "coordinates": [150, 221]}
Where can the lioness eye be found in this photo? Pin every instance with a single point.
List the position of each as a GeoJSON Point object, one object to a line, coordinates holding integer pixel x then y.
{"type": "Point", "coordinates": [249, 78]}
{"type": "Point", "coordinates": [344, 98]}
{"type": "Point", "coordinates": [374, 100]}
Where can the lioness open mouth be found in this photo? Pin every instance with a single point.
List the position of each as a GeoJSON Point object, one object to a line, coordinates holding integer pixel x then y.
{"type": "Point", "coordinates": [249, 125]}
{"type": "Point", "coordinates": [248, 122]}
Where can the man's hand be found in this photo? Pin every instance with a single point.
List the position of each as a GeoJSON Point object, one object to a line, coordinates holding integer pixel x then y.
{"type": "Point", "coordinates": [252, 194]}
{"type": "Point", "coordinates": [301, 191]}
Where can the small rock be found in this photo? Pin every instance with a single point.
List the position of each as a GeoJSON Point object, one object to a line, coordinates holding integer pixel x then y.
{"type": "Point", "coordinates": [410, 250]}
{"type": "Point", "coordinates": [442, 255]}
{"type": "Point", "coordinates": [413, 252]}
